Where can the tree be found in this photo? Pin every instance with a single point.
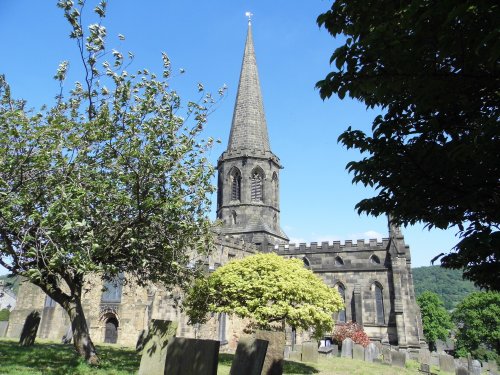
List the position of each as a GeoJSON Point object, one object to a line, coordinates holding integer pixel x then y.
{"type": "Point", "coordinates": [268, 289]}
{"type": "Point", "coordinates": [433, 68]}
{"type": "Point", "coordinates": [351, 330]}
{"type": "Point", "coordinates": [109, 180]}
{"type": "Point", "coordinates": [478, 320]}
{"type": "Point", "coordinates": [436, 320]}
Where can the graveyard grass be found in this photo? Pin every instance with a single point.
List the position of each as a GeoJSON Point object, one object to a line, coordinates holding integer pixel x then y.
{"type": "Point", "coordinates": [52, 358]}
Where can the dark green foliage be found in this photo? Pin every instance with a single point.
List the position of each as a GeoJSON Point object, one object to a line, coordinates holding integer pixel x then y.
{"type": "Point", "coordinates": [4, 315]}
{"type": "Point", "coordinates": [478, 320]}
{"type": "Point", "coordinates": [448, 284]}
{"type": "Point", "coordinates": [433, 67]}
{"type": "Point", "coordinates": [436, 320]}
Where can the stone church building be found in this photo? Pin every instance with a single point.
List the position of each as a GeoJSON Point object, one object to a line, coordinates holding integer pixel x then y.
{"type": "Point", "coordinates": [374, 278]}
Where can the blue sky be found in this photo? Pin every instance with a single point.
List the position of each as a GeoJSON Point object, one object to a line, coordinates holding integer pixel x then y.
{"type": "Point", "coordinates": [206, 38]}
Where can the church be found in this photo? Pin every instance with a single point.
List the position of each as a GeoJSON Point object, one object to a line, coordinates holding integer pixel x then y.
{"type": "Point", "coordinates": [374, 278]}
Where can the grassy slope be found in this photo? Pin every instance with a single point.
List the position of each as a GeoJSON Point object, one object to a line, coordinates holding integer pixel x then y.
{"type": "Point", "coordinates": [51, 358]}
{"type": "Point", "coordinates": [448, 284]}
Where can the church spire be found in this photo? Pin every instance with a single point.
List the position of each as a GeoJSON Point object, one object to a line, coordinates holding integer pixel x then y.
{"type": "Point", "coordinates": [249, 128]}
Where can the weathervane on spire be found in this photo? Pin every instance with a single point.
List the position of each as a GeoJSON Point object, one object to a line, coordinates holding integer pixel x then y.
{"type": "Point", "coordinates": [249, 15]}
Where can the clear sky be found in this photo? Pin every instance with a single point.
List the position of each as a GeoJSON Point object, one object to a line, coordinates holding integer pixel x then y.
{"type": "Point", "coordinates": [206, 38]}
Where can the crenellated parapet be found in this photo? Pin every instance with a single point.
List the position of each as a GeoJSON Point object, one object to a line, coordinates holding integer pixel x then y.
{"type": "Point", "coordinates": [335, 246]}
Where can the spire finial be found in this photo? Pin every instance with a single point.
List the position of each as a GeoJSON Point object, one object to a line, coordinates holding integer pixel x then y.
{"type": "Point", "coordinates": [249, 15]}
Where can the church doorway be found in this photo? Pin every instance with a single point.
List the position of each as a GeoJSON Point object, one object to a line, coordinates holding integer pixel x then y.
{"type": "Point", "coordinates": [111, 331]}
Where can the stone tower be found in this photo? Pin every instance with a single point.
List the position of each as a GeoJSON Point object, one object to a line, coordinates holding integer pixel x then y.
{"type": "Point", "coordinates": [248, 171]}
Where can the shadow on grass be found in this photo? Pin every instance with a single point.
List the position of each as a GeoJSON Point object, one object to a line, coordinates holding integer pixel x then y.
{"type": "Point", "coordinates": [289, 367]}
{"type": "Point", "coordinates": [59, 359]}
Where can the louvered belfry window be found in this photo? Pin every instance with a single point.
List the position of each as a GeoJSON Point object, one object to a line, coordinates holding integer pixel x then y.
{"type": "Point", "coordinates": [256, 187]}
{"type": "Point", "coordinates": [235, 185]}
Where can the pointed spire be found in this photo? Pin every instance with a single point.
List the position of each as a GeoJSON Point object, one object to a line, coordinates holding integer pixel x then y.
{"type": "Point", "coordinates": [249, 128]}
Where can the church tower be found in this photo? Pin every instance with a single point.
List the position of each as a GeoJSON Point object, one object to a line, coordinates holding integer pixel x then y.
{"type": "Point", "coordinates": [248, 171]}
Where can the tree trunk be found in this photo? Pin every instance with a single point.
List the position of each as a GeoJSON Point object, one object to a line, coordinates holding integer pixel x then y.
{"type": "Point", "coordinates": [81, 337]}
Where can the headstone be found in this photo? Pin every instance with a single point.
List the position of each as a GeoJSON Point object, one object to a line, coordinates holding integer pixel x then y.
{"type": "Point", "coordinates": [335, 351]}
{"type": "Point", "coordinates": [371, 352]}
{"type": "Point", "coordinates": [325, 351]}
{"type": "Point", "coordinates": [347, 348]}
{"type": "Point", "coordinates": [273, 364]}
{"type": "Point", "coordinates": [310, 352]}
{"type": "Point", "coordinates": [154, 352]}
{"type": "Point", "coordinates": [286, 353]}
{"type": "Point", "coordinates": [434, 359]}
{"type": "Point", "coordinates": [4, 324]}
{"type": "Point", "coordinates": [475, 368]}
{"type": "Point", "coordinates": [295, 356]}
{"type": "Point", "coordinates": [249, 357]}
{"type": "Point", "coordinates": [30, 328]}
{"type": "Point", "coordinates": [386, 354]}
{"type": "Point", "coordinates": [424, 356]}
{"type": "Point", "coordinates": [140, 341]}
{"type": "Point", "coordinates": [461, 371]}
{"type": "Point", "coordinates": [425, 368]}
{"type": "Point", "coordinates": [492, 365]}
{"type": "Point", "coordinates": [446, 363]}
{"type": "Point", "coordinates": [398, 358]}
{"type": "Point", "coordinates": [192, 357]}
{"type": "Point", "coordinates": [358, 352]}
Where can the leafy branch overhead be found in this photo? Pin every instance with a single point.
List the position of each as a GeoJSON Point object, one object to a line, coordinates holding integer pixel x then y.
{"type": "Point", "coordinates": [113, 178]}
{"type": "Point", "coordinates": [433, 155]}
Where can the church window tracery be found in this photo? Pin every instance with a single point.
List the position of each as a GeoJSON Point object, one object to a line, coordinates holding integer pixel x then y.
{"type": "Point", "coordinates": [341, 289]}
{"type": "Point", "coordinates": [257, 180]}
{"type": "Point", "coordinates": [379, 303]}
{"type": "Point", "coordinates": [235, 178]}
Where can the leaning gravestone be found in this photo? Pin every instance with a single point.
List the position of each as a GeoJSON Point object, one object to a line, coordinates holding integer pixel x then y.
{"type": "Point", "coordinates": [425, 368]}
{"type": "Point", "coordinates": [358, 352]}
{"type": "Point", "coordinates": [398, 358]}
{"type": "Point", "coordinates": [310, 352]}
{"type": "Point", "coordinates": [446, 363]}
{"type": "Point", "coordinates": [326, 351]}
{"type": "Point", "coordinates": [191, 356]}
{"type": "Point", "coordinates": [154, 352]}
{"type": "Point", "coordinates": [273, 364]}
{"type": "Point", "coordinates": [475, 368]}
{"type": "Point", "coordinates": [347, 348]}
{"type": "Point", "coordinates": [30, 328]}
{"type": "Point", "coordinates": [462, 371]}
{"type": "Point", "coordinates": [249, 357]}
{"type": "Point", "coordinates": [371, 352]}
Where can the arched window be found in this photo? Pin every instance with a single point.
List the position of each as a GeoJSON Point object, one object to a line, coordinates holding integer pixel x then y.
{"type": "Point", "coordinates": [374, 259]}
{"type": "Point", "coordinates": [275, 187]}
{"type": "Point", "coordinates": [379, 303]}
{"type": "Point", "coordinates": [257, 180]}
{"type": "Point", "coordinates": [338, 261]}
{"type": "Point", "coordinates": [341, 289]}
{"type": "Point", "coordinates": [306, 261]}
{"type": "Point", "coordinates": [112, 290]}
{"type": "Point", "coordinates": [235, 179]}
{"type": "Point", "coordinates": [234, 217]}
{"type": "Point", "coordinates": [111, 330]}
{"type": "Point", "coordinates": [49, 302]}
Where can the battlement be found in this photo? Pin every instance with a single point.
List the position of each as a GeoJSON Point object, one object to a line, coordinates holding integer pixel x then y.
{"type": "Point", "coordinates": [335, 246]}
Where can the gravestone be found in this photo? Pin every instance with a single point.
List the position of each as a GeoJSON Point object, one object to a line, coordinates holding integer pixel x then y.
{"type": "Point", "coordinates": [273, 364]}
{"type": "Point", "coordinates": [475, 368]}
{"type": "Point", "coordinates": [191, 356]}
{"type": "Point", "coordinates": [295, 356]}
{"type": "Point", "coordinates": [398, 358]}
{"type": "Point", "coordinates": [154, 352]}
{"type": "Point", "coordinates": [434, 359]}
{"type": "Point", "coordinates": [492, 365]}
{"type": "Point", "coordinates": [386, 354]}
{"type": "Point", "coordinates": [30, 328]}
{"type": "Point", "coordinates": [446, 363]}
{"type": "Point", "coordinates": [371, 352]}
{"type": "Point", "coordinates": [249, 357]}
{"type": "Point", "coordinates": [4, 325]}
{"type": "Point", "coordinates": [326, 351]}
{"type": "Point", "coordinates": [310, 352]}
{"type": "Point", "coordinates": [425, 368]}
{"type": "Point", "coordinates": [358, 352]}
{"type": "Point", "coordinates": [347, 348]}
{"type": "Point", "coordinates": [424, 356]}
{"type": "Point", "coordinates": [462, 371]}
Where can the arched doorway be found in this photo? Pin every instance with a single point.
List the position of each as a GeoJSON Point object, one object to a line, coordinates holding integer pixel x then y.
{"type": "Point", "coordinates": [111, 331]}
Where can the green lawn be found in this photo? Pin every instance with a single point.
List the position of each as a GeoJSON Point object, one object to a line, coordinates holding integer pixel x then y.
{"type": "Point", "coordinates": [52, 358]}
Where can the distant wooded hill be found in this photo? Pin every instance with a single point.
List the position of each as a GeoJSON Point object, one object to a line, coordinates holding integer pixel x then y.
{"type": "Point", "coordinates": [448, 284]}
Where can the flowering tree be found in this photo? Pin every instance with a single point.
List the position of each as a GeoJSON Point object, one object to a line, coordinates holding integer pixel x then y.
{"type": "Point", "coordinates": [350, 330]}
